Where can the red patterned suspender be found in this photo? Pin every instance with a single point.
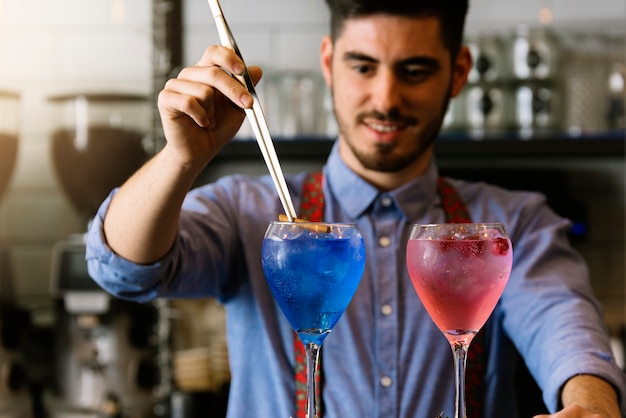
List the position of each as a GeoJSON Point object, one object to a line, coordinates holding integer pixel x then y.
{"type": "Point", "coordinates": [312, 208]}
{"type": "Point", "coordinates": [456, 212]}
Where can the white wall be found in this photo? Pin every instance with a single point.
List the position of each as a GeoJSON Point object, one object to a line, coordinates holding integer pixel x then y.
{"type": "Point", "coordinates": [49, 47]}
{"type": "Point", "coordinates": [285, 34]}
{"type": "Point", "coordinates": [566, 12]}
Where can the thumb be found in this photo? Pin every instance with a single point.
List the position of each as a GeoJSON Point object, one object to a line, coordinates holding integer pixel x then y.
{"type": "Point", "coordinates": [255, 73]}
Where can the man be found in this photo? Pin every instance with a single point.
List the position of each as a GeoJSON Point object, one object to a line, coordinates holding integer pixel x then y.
{"type": "Point", "coordinates": [392, 67]}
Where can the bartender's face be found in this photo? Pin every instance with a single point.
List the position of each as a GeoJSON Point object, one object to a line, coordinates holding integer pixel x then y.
{"type": "Point", "coordinates": [391, 78]}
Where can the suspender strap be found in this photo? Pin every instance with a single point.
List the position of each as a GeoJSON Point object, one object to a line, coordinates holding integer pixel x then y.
{"type": "Point", "coordinates": [456, 212]}
{"type": "Point", "coordinates": [451, 203]}
{"type": "Point", "coordinates": [312, 208]}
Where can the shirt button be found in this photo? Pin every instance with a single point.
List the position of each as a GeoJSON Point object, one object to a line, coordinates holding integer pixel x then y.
{"type": "Point", "coordinates": [386, 202]}
{"type": "Point", "coordinates": [384, 242]}
{"type": "Point", "coordinates": [386, 310]}
{"type": "Point", "coordinates": [386, 381]}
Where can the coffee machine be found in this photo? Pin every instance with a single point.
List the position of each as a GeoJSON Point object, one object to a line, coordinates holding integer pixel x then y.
{"type": "Point", "coordinates": [105, 348]}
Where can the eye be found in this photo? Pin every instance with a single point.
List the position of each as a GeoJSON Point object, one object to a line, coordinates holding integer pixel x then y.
{"type": "Point", "coordinates": [361, 68]}
{"type": "Point", "coordinates": [415, 73]}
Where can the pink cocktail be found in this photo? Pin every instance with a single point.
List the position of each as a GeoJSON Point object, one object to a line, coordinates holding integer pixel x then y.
{"type": "Point", "coordinates": [459, 272]}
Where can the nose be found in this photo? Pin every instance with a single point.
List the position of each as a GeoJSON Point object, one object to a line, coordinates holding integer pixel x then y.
{"type": "Point", "coordinates": [386, 93]}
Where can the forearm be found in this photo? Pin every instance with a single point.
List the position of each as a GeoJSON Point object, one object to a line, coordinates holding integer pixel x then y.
{"type": "Point", "coordinates": [592, 393]}
{"type": "Point", "coordinates": [198, 117]}
{"type": "Point", "coordinates": [142, 220]}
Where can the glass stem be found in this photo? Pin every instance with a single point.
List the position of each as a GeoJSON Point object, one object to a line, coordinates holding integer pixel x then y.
{"type": "Point", "coordinates": [460, 359]}
{"type": "Point", "coordinates": [312, 357]}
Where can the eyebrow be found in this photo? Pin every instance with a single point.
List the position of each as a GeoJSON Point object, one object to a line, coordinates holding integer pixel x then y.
{"type": "Point", "coordinates": [418, 60]}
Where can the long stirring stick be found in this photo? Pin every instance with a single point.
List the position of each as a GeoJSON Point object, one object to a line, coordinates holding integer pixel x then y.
{"type": "Point", "coordinates": [255, 116]}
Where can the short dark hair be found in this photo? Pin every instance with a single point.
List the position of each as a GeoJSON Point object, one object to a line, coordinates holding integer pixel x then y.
{"type": "Point", "coordinates": [451, 14]}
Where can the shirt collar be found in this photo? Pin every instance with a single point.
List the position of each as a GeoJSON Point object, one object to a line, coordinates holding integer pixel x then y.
{"type": "Point", "coordinates": [415, 197]}
{"type": "Point", "coordinates": [352, 193]}
{"type": "Point", "coordinates": [357, 195]}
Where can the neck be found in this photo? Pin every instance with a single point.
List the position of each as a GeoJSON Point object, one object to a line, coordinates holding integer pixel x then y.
{"type": "Point", "coordinates": [386, 180]}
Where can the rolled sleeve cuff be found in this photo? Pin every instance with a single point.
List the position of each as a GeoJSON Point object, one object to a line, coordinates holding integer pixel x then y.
{"type": "Point", "coordinates": [601, 365]}
{"type": "Point", "coordinates": [115, 274]}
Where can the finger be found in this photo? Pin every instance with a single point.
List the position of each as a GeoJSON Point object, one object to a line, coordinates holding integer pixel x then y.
{"type": "Point", "coordinates": [217, 78]}
{"type": "Point", "coordinates": [227, 59]}
{"type": "Point", "coordinates": [177, 99]}
{"type": "Point", "coordinates": [220, 56]}
{"type": "Point", "coordinates": [255, 73]}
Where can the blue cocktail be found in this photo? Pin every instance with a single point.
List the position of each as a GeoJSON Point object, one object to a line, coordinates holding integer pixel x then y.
{"type": "Point", "coordinates": [313, 270]}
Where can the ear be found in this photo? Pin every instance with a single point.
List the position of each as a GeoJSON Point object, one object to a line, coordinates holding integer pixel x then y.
{"type": "Point", "coordinates": [462, 66]}
{"type": "Point", "coordinates": [326, 58]}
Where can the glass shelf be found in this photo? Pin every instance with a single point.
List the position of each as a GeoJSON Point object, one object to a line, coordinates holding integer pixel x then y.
{"type": "Point", "coordinates": [609, 145]}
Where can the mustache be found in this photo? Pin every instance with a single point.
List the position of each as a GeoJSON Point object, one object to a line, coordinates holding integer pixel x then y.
{"type": "Point", "coordinates": [393, 116]}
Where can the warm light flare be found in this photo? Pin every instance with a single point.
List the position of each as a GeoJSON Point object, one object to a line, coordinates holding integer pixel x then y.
{"type": "Point", "coordinates": [118, 11]}
{"type": "Point", "coordinates": [546, 16]}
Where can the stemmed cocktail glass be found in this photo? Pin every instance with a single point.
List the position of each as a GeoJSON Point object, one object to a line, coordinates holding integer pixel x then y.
{"type": "Point", "coordinates": [313, 270]}
{"type": "Point", "coordinates": [459, 272]}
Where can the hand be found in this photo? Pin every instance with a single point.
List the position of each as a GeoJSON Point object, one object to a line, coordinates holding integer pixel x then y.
{"type": "Point", "coordinates": [201, 109]}
{"type": "Point", "coordinates": [574, 411]}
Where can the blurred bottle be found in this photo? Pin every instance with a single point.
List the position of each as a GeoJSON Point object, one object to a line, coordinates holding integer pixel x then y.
{"type": "Point", "coordinates": [488, 52]}
{"type": "Point", "coordinates": [585, 84]}
{"type": "Point", "coordinates": [616, 118]}
{"type": "Point", "coordinates": [536, 62]}
{"type": "Point", "coordinates": [484, 107]}
{"type": "Point", "coordinates": [293, 102]}
{"type": "Point", "coordinates": [535, 53]}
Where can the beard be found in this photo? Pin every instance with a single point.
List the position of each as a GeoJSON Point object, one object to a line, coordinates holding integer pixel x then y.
{"type": "Point", "coordinates": [385, 158]}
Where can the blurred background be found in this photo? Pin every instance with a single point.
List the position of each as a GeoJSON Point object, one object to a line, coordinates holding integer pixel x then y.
{"type": "Point", "coordinates": [544, 110]}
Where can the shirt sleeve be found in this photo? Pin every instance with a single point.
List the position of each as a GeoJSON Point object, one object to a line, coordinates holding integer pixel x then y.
{"type": "Point", "coordinates": [196, 266]}
{"type": "Point", "coordinates": [208, 258]}
{"type": "Point", "coordinates": [116, 275]}
{"type": "Point", "coordinates": [550, 311]}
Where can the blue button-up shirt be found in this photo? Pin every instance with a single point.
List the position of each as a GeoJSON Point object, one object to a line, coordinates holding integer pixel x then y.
{"type": "Point", "coordinates": [385, 358]}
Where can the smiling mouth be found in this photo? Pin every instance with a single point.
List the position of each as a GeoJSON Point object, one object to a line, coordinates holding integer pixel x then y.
{"type": "Point", "coordinates": [383, 128]}
{"type": "Point", "coordinates": [386, 123]}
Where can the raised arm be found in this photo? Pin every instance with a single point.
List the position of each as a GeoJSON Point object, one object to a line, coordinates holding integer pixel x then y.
{"type": "Point", "coordinates": [200, 111]}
